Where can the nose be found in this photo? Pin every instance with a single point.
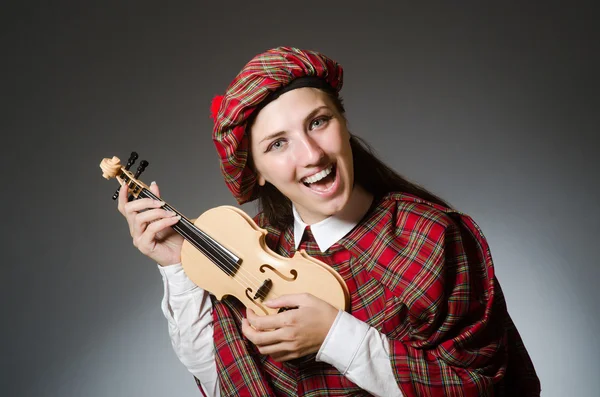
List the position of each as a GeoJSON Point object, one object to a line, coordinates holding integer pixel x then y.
{"type": "Point", "coordinates": [311, 152]}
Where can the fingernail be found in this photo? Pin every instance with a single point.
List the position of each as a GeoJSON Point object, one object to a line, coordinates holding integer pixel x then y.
{"type": "Point", "coordinates": [153, 183]}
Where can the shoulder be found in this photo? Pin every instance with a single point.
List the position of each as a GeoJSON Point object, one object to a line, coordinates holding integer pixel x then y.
{"type": "Point", "coordinates": [410, 214]}
{"type": "Point", "coordinates": [445, 225]}
{"type": "Point", "coordinates": [413, 218]}
{"type": "Point", "coordinates": [412, 242]}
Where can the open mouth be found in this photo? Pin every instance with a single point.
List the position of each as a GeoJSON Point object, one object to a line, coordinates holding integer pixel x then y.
{"type": "Point", "coordinates": [321, 181]}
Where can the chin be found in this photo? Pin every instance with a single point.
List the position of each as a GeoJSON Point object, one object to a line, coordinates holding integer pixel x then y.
{"type": "Point", "coordinates": [338, 204]}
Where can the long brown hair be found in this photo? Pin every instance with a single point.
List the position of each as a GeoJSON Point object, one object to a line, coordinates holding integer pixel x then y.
{"type": "Point", "coordinates": [369, 172]}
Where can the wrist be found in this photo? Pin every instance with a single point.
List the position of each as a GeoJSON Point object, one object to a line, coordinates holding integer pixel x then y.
{"type": "Point", "coordinates": [166, 262]}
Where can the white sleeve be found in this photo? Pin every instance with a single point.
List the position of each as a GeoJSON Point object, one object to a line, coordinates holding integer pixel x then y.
{"type": "Point", "coordinates": [188, 310]}
{"type": "Point", "coordinates": [361, 353]}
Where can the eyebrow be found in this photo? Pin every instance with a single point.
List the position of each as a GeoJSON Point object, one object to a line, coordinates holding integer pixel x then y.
{"type": "Point", "coordinates": [308, 117]}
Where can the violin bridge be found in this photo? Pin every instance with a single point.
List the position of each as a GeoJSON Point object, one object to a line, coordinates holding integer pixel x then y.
{"type": "Point", "coordinates": [263, 290]}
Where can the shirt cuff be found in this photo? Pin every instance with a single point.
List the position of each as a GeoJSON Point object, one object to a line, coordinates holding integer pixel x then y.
{"type": "Point", "coordinates": [343, 341]}
{"type": "Point", "coordinates": [178, 281]}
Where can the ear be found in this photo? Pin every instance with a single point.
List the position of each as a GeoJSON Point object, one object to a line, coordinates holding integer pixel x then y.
{"type": "Point", "coordinates": [260, 179]}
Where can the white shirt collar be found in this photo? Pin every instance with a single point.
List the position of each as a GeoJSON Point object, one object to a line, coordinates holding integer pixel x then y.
{"type": "Point", "coordinates": [330, 230]}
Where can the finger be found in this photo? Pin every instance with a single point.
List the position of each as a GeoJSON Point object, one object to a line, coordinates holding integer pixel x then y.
{"type": "Point", "coordinates": [132, 209]}
{"type": "Point", "coordinates": [269, 322]}
{"type": "Point", "coordinates": [279, 350]}
{"type": "Point", "coordinates": [143, 219]}
{"type": "Point", "coordinates": [261, 338]}
{"type": "Point", "coordinates": [154, 189]}
{"type": "Point", "coordinates": [123, 192]}
{"type": "Point", "coordinates": [252, 334]}
{"type": "Point", "coordinates": [147, 240]}
{"type": "Point", "coordinates": [291, 300]}
{"type": "Point", "coordinates": [143, 204]}
{"type": "Point", "coordinates": [123, 207]}
{"type": "Point", "coordinates": [154, 214]}
{"type": "Point", "coordinates": [258, 322]}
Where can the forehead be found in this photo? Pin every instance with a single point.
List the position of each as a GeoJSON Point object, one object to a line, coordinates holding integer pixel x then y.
{"type": "Point", "coordinates": [288, 110]}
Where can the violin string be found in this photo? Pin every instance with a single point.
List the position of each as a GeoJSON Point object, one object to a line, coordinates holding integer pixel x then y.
{"type": "Point", "coordinates": [214, 259]}
{"type": "Point", "coordinates": [231, 267]}
{"type": "Point", "coordinates": [223, 261]}
{"type": "Point", "coordinates": [240, 272]}
{"type": "Point", "coordinates": [220, 259]}
{"type": "Point", "coordinates": [215, 255]}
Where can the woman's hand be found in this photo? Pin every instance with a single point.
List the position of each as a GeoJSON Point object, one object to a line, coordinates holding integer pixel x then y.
{"type": "Point", "coordinates": [150, 227]}
{"type": "Point", "coordinates": [292, 333]}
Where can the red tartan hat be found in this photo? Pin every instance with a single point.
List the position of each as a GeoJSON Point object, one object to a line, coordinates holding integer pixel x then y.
{"type": "Point", "coordinates": [266, 74]}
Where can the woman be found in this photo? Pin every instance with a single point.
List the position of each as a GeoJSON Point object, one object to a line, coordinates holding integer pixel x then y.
{"type": "Point", "coordinates": [427, 315]}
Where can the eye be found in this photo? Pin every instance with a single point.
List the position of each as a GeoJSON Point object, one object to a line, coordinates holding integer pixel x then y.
{"type": "Point", "coordinates": [319, 122]}
{"type": "Point", "coordinates": [275, 145]}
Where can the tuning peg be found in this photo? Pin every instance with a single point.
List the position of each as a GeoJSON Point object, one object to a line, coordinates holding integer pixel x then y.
{"type": "Point", "coordinates": [138, 172]}
{"type": "Point", "coordinates": [131, 160]}
{"type": "Point", "coordinates": [116, 195]}
{"type": "Point", "coordinates": [141, 168]}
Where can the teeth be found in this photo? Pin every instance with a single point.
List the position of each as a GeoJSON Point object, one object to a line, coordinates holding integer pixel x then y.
{"type": "Point", "coordinates": [318, 176]}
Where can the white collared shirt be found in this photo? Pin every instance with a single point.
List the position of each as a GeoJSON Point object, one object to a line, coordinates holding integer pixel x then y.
{"type": "Point", "coordinates": [358, 351]}
{"type": "Point", "coordinates": [330, 230]}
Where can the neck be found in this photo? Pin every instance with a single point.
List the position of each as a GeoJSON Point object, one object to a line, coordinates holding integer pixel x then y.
{"type": "Point", "coordinates": [358, 204]}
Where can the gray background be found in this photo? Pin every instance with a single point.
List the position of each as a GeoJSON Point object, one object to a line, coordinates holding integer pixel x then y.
{"type": "Point", "coordinates": [492, 107]}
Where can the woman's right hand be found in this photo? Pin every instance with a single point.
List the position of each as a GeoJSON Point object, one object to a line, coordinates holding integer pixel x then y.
{"type": "Point", "coordinates": [150, 227]}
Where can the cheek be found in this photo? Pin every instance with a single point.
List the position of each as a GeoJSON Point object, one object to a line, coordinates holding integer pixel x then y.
{"type": "Point", "coordinates": [275, 170]}
{"type": "Point", "coordinates": [339, 145]}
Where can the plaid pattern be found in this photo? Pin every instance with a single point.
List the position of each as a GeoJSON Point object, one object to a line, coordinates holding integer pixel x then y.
{"type": "Point", "coordinates": [420, 273]}
{"type": "Point", "coordinates": [264, 74]}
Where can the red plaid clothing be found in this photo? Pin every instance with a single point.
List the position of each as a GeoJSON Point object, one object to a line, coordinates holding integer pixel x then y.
{"type": "Point", "coordinates": [421, 274]}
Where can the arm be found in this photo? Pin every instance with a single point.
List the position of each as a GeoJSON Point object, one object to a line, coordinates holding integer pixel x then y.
{"type": "Point", "coordinates": [186, 307]}
{"type": "Point", "coordinates": [188, 311]}
{"type": "Point", "coordinates": [456, 343]}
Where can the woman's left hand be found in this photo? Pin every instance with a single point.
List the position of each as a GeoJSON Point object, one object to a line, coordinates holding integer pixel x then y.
{"type": "Point", "coordinates": [292, 333]}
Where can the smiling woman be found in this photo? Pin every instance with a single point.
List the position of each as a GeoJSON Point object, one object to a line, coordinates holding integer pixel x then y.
{"type": "Point", "coordinates": [427, 316]}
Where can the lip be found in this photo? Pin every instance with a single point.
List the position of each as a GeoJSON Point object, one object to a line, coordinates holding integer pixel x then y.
{"type": "Point", "coordinates": [316, 172]}
{"type": "Point", "coordinates": [332, 191]}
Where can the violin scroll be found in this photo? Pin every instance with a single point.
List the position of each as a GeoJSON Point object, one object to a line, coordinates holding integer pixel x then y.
{"type": "Point", "coordinates": [110, 167]}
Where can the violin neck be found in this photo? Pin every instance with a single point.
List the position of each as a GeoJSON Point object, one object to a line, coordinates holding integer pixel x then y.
{"type": "Point", "coordinates": [219, 255]}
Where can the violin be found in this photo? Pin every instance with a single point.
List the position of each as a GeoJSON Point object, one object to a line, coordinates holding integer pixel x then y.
{"type": "Point", "coordinates": [224, 252]}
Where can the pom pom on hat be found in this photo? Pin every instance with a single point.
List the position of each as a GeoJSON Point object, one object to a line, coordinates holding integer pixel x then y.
{"type": "Point", "coordinates": [215, 105]}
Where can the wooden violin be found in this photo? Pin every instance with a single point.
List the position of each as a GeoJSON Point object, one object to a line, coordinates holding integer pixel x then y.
{"type": "Point", "coordinates": [224, 252]}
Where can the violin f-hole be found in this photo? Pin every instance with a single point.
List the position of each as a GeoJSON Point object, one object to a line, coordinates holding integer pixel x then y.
{"type": "Point", "coordinates": [293, 272]}
{"type": "Point", "coordinates": [248, 292]}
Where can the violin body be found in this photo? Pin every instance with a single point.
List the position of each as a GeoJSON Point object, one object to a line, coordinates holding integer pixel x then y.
{"type": "Point", "coordinates": [259, 266]}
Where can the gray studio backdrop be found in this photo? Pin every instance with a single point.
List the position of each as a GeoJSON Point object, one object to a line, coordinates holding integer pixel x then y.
{"type": "Point", "coordinates": [493, 108]}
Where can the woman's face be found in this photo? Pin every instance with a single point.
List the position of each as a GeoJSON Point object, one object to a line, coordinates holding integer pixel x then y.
{"type": "Point", "coordinates": [300, 144]}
